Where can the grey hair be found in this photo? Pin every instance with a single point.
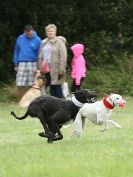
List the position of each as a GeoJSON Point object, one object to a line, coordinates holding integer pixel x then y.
{"type": "Point", "coordinates": [51, 26]}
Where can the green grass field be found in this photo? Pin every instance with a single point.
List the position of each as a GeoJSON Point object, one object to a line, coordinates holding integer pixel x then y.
{"type": "Point", "coordinates": [97, 154]}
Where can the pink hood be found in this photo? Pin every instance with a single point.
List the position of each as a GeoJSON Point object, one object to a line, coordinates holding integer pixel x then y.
{"type": "Point", "coordinates": [77, 50]}
{"type": "Point", "coordinates": [78, 63]}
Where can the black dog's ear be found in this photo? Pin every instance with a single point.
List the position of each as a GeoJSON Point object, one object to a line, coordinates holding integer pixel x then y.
{"type": "Point", "coordinates": [77, 91]}
{"type": "Point", "coordinates": [95, 93]}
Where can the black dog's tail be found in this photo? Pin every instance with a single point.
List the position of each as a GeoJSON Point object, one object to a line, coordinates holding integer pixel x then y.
{"type": "Point", "coordinates": [20, 118]}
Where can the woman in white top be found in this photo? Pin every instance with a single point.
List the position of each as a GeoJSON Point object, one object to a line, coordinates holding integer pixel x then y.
{"type": "Point", "coordinates": [53, 59]}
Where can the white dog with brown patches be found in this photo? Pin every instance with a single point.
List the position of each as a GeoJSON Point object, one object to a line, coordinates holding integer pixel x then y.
{"type": "Point", "coordinates": [98, 113]}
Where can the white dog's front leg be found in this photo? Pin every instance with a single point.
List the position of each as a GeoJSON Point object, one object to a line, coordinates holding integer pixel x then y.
{"type": "Point", "coordinates": [115, 124]}
{"type": "Point", "coordinates": [101, 120]}
{"type": "Point", "coordinates": [106, 127]}
{"type": "Point", "coordinates": [78, 125]}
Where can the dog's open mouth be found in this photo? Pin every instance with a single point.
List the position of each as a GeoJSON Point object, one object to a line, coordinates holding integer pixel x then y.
{"type": "Point", "coordinates": [122, 103]}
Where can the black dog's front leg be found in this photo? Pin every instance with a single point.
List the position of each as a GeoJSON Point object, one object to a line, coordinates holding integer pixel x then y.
{"type": "Point", "coordinates": [55, 127]}
{"type": "Point", "coordinates": [52, 136]}
{"type": "Point", "coordinates": [55, 138]}
{"type": "Point", "coordinates": [58, 136]}
{"type": "Point", "coordinates": [46, 135]}
{"type": "Point", "coordinates": [53, 132]}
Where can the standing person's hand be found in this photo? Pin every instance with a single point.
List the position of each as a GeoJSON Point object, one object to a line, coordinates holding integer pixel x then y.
{"type": "Point", "coordinates": [16, 68]}
{"type": "Point", "coordinates": [35, 72]}
{"type": "Point", "coordinates": [60, 76]}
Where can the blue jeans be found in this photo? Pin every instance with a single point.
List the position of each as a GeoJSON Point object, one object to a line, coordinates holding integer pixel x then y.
{"type": "Point", "coordinates": [56, 90]}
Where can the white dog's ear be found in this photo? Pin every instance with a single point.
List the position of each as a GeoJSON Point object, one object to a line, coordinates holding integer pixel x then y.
{"type": "Point", "coordinates": [111, 94]}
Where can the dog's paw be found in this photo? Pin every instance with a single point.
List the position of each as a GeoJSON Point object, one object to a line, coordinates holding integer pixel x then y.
{"type": "Point", "coordinates": [103, 129]}
{"type": "Point", "coordinates": [72, 133]}
{"type": "Point", "coordinates": [43, 134]}
{"type": "Point", "coordinates": [50, 141]}
{"type": "Point", "coordinates": [75, 134]}
{"type": "Point", "coordinates": [118, 125]}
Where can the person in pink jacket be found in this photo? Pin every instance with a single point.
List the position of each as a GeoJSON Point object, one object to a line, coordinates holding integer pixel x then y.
{"type": "Point", "coordinates": [78, 65]}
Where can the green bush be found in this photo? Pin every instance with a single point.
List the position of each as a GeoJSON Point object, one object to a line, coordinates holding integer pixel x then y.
{"type": "Point", "coordinates": [110, 78]}
{"type": "Point", "coordinates": [96, 24]}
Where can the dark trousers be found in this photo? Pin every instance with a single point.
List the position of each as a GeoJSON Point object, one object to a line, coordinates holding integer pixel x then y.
{"type": "Point", "coordinates": [75, 87]}
{"type": "Point", "coordinates": [55, 90]}
{"type": "Point", "coordinates": [47, 80]}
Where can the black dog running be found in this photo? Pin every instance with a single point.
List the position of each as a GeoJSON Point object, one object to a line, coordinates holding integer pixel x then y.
{"type": "Point", "coordinates": [54, 112]}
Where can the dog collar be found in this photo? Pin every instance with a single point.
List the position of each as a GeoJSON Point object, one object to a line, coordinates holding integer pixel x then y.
{"type": "Point", "coordinates": [34, 86]}
{"type": "Point", "coordinates": [107, 104]}
{"type": "Point", "coordinates": [76, 102]}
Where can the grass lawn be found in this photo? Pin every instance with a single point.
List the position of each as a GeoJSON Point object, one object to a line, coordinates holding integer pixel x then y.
{"type": "Point", "coordinates": [24, 154]}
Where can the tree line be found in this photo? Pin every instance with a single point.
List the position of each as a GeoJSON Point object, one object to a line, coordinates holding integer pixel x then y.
{"type": "Point", "coordinates": [104, 27]}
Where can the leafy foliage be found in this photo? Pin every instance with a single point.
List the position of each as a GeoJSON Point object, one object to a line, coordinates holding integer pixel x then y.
{"type": "Point", "coordinates": [104, 27]}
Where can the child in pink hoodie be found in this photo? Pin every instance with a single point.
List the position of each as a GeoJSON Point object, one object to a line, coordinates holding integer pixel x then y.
{"type": "Point", "coordinates": [78, 66]}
